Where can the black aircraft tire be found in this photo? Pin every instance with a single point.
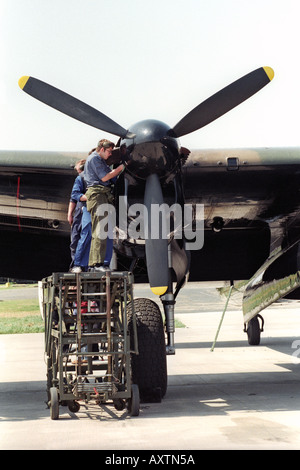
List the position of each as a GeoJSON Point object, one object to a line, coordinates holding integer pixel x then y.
{"type": "Point", "coordinates": [149, 367]}
{"type": "Point", "coordinates": [253, 332]}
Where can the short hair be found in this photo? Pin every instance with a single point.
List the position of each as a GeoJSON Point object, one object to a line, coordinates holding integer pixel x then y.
{"type": "Point", "coordinates": [105, 143]}
{"type": "Point", "coordinates": [80, 163]}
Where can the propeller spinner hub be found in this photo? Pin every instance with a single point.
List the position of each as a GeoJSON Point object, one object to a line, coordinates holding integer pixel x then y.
{"type": "Point", "coordinates": [152, 149]}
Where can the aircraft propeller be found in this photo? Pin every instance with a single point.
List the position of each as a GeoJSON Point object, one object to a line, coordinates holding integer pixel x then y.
{"type": "Point", "coordinates": [156, 248]}
{"type": "Point", "coordinates": [224, 100]}
{"type": "Point", "coordinates": [71, 106]}
{"type": "Point", "coordinates": [206, 112]}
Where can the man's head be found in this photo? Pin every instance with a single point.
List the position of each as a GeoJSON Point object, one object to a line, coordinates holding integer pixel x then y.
{"type": "Point", "coordinates": [79, 166]}
{"type": "Point", "coordinates": [105, 148]}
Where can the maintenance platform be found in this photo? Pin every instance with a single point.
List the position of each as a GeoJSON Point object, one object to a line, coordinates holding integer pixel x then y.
{"type": "Point", "coordinates": [90, 336]}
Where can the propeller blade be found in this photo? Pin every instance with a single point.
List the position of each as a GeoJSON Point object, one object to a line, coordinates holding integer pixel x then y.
{"type": "Point", "coordinates": [71, 106]}
{"type": "Point", "coordinates": [156, 244]}
{"type": "Point", "coordinates": [223, 101]}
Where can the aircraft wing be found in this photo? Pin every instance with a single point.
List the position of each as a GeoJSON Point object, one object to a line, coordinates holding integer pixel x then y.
{"type": "Point", "coordinates": [252, 224]}
{"type": "Point", "coordinates": [251, 216]}
{"type": "Point", "coordinates": [35, 190]}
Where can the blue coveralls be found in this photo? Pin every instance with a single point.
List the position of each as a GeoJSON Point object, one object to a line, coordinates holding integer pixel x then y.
{"type": "Point", "coordinates": [75, 230]}
{"type": "Point", "coordinates": [83, 229]}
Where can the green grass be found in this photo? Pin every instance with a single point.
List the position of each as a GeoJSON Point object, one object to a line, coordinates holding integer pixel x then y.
{"type": "Point", "coordinates": [179, 324]}
{"type": "Point", "coordinates": [20, 316]}
{"type": "Point", "coordinates": [15, 325]}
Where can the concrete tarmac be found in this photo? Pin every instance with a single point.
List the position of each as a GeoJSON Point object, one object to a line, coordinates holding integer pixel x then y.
{"type": "Point", "coordinates": [236, 397]}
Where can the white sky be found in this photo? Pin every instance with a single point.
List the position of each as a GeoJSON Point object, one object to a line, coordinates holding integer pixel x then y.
{"type": "Point", "coordinates": [136, 59]}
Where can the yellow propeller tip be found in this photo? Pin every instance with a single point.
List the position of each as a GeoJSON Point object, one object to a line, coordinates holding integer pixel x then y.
{"type": "Point", "coordinates": [270, 72]}
{"type": "Point", "coordinates": [159, 290]}
{"type": "Point", "coordinates": [22, 81]}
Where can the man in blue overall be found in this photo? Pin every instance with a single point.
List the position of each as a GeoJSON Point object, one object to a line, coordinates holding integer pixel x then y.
{"type": "Point", "coordinates": [80, 220]}
{"type": "Point", "coordinates": [75, 215]}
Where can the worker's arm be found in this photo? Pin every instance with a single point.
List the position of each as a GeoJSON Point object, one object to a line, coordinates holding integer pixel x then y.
{"type": "Point", "coordinates": [71, 209]}
{"type": "Point", "coordinates": [113, 173]}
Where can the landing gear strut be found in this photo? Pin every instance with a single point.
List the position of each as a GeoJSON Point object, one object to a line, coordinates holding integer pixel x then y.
{"type": "Point", "coordinates": [168, 301]}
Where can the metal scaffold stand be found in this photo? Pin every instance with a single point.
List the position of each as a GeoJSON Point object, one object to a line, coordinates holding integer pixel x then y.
{"type": "Point", "coordinates": [90, 336]}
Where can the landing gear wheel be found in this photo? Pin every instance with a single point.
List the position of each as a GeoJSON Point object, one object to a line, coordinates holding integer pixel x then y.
{"type": "Point", "coordinates": [133, 404]}
{"type": "Point", "coordinates": [253, 332]}
{"type": "Point", "coordinates": [54, 405]}
{"type": "Point", "coordinates": [73, 406]}
{"type": "Point", "coordinates": [149, 367]}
